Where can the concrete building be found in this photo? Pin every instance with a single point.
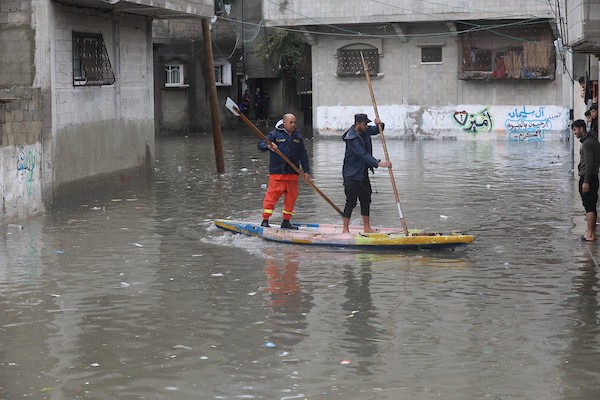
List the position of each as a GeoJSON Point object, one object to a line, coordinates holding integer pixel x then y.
{"type": "Point", "coordinates": [76, 95]}
{"type": "Point", "coordinates": [182, 104]}
{"type": "Point", "coordinates": [475, 70]}
{"type": "Point", "coordinates": [583, 35]}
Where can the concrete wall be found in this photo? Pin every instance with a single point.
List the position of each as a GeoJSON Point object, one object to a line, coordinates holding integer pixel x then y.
{"type": "Point", "coordinates": [420, 100]}
{"type": "Point", "coordinates": [22, 118]}
{"type": "Point", "coordinates": [318, 12]}
{"type": "Point", "coordinates": [101, 130]}
{"type": "Point", "coordinates": [20, 153]}
{"type": "Point", "coordinates": [583, 22]}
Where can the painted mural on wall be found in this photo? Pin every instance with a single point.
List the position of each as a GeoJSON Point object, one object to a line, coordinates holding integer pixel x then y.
{"type": "Point", "coordinates": [469, 122]}
{"type": "Point", "coordinates": [20, 181]}
{"type": "Point", "coordinates": [530, 123]}
{"type": "Point", "coordinates": [26, 168]}
{"type": "Point", "coordinates": [481, 121]}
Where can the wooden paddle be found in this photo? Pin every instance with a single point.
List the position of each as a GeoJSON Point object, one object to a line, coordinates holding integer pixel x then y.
{"type": "Point", "coordinates": [231, 106]}
{"type": "Point", "coordinates": [387, 157]}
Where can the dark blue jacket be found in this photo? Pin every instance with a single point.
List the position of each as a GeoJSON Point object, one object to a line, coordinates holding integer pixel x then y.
{"type": "Point", "coordinates": [359, 153]}
{"type": "Point", "coordinates": [292, 146]}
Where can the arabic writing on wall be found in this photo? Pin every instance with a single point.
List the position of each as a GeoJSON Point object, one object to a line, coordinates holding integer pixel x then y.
{"type": "Point", "coordinates": [26, 168]}
{"type": "Point", "coordinates": [475, 122]}
{"type": "Point", "coordinates": [528, 125]}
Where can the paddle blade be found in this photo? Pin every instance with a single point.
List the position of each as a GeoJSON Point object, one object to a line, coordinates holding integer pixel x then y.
{"type": "Point", "coordinates": [231, 106]}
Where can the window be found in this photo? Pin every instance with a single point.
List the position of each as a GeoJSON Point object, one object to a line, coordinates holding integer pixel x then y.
{"type": "Point", "coordinates": [350, 61]}
{"type": "Point", "coordinates": [91, 65]}
{"type": "Point", "coordinates": [499, 52]}
{"type": "Point", "coordinates": [431, 55]}
{"type": "Point", "coordinates": [222, 72]}
{"type": "Point", "coordinates": [174, 75]}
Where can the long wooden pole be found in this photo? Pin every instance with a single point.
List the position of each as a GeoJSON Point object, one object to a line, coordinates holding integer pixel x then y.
{"type": "Point", "coordinates": [212, 96]}
{"type": "Point", "coordinates": [236, 110]}
{"type": "Point", "coordinates": [387, 157]}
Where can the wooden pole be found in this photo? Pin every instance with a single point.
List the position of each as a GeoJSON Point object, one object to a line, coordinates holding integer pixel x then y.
{"type": "Point", "coordinates": [387, 157]}
{"type": "Point", "coordinates": [212, 95]}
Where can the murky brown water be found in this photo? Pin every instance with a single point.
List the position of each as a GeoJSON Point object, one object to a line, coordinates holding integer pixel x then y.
{"type": "Point", "coordinates": [138, 296]}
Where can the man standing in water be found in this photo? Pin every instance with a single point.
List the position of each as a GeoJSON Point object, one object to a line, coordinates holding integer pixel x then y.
{"type": "Point", "coordinates": [283, 179]}
{"type": "Point", "coordinates": [588, 175]}
{"type": "Point", "coordinates": [357, 161]}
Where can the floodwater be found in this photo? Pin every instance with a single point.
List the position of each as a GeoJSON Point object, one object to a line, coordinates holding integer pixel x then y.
{"type": "Point", "coordinates": [136, 295]}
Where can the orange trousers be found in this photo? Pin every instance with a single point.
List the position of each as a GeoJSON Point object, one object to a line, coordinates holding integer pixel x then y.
{"type": "Point", "coordinates": [281, 185]}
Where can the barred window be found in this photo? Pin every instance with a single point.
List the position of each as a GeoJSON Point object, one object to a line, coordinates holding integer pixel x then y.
{"type": "Point", "coordinates": [174, 75]}
{"type": "Point", "coordinates": [91, 65]}
{"type": "Point", "coordinates": [431, 54]}
{"type": "Point", "coordinates": [350, 61]}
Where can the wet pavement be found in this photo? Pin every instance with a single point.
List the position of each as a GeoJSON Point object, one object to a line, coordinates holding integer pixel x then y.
{"type": "Point", "coordinates": [137, 295]}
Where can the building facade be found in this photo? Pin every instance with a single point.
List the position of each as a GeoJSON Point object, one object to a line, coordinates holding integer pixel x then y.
{"type": "Point", "coordinates": [76, 95]}
{"type": "Point", "coordinates": [478, 71]}
{"type": "Point", "coordinates": [181, 92]}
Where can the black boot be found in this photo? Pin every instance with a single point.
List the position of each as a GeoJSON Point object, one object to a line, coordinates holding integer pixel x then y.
{"type": "Point", "coordinates": [265, 223]}
{"type": "Point", "coordinates": [287, 225]}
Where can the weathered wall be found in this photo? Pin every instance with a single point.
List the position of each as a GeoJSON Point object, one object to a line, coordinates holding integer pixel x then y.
{"type": "Point", "coordinates": [21, 114]}
{"type": "Point", "coordinates": [101, 131]}
{"type": "Point", "coordinates": [16, 43]}
{"type": "Point", "coordinates": [316, 12]}
{"type": "Point", "coordinates": [428, 100]}
{"type": "Point", "coordinates": [466, 121]}
{"type": "Point", "coordinates": [20, 153]}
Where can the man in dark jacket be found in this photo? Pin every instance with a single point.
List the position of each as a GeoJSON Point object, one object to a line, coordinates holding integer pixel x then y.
{"type": "Point", "coordinates": [588, 175]}
{"type": "Point", "coordinates": [357, 161]}
{"type": "Point", "coordinates": [283, 179]}
{"type": "Point", "coordinates": [594, 115]}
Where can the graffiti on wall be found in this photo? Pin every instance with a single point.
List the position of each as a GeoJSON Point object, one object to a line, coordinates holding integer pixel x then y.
{"type": "Point", "coordinates": [529, 125]}
{"type": "Point", "coordinates": [26, 168]}
{"type": "Point", "coordinates": [481, 121]}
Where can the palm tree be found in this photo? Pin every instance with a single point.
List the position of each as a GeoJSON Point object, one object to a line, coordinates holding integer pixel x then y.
{"type": "Point", "coordinates": [284, 50]}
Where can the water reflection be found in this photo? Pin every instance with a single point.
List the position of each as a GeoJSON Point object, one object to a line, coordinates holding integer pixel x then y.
{"type": "Point", "coordinates": [136, 294]}
{"type": "Point", "coordinates": [580, 372]}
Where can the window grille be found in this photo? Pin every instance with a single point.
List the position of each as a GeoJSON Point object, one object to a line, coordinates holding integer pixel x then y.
{"type": "Point", "coordinates": [431, 54]}
{"type": "Point", "coordinates": [174, 75]}
{"type": "Point", "coordinates": [91, 65]}
{"type": "Point", "coordinates": [350, 62]}
{"type": "Point", "coordinates": [523, 52]}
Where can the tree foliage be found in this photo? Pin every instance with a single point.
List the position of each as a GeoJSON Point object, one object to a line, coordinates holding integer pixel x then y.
{"type": "Point", "coordinates": [283, 50]}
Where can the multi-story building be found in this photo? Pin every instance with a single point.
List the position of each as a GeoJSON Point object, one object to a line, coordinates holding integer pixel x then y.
{"type": "Point", "coordinates": [76, 95]}
{"type": "Point", "coordinates": [583, 37]}
{"type": "Point", "coordinates": [181, 93]}
{"type": "Point", "coordinates": [439, 69]}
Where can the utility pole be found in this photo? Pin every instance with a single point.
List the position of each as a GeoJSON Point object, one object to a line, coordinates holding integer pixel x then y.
{"type": "Point", "coordinates": [212, 96]}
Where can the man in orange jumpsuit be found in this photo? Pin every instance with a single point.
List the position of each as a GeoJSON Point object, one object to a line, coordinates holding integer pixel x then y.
{"type": "Point", "coordinates": [283, 179]}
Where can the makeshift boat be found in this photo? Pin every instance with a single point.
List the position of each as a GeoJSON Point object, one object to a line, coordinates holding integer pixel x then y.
{"type": "Point", "coordinates": [331, 235]}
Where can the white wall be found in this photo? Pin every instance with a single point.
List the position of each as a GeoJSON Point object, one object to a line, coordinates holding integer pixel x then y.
{"type": "Point", "coordinates": [429, 101]}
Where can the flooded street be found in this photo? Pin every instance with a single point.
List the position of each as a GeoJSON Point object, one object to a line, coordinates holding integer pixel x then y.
{"type": "Point", "coordinates": [136, 295]}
